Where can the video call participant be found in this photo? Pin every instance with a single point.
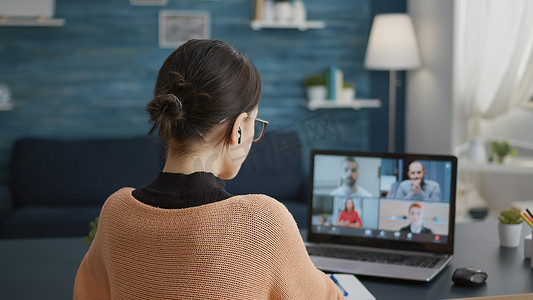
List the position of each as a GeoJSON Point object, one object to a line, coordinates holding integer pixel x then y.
{"type": "Point", "coordinates": [348, 187]}
{"type": "Point", "coordinates": [416, 187]}
{"type": "Point", "coordinates": [183, 236]}
{"type": "Point", "coordinates": [416, 215]}
{"type": "Point", "coordinates": [349, 216]}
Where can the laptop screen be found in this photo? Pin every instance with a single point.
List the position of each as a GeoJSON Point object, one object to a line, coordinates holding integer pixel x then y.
{"type": "Point", "coordinates": [395, 201]}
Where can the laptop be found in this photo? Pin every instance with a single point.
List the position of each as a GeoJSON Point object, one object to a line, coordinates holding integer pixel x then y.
{"type": "Point", "coordinates": [381, 214]}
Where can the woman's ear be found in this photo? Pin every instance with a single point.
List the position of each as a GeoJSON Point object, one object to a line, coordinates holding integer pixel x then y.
{"type": "Point", "coordinates": [237, 130]}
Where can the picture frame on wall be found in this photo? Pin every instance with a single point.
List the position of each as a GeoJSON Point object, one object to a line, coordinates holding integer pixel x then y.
{"type": "Point", "coordinates": [178, 26]}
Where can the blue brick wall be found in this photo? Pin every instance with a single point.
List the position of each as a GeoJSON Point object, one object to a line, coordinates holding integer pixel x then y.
{"type": "Point", "coordinates": [93, 76]}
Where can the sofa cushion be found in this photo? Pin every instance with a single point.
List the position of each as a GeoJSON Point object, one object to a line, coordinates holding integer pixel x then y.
{"type": "Point", "coordinates": [6, 202]}
{"type": "Point", "coordinates": [77, 172]}
{"type": "Point", "coordinates": [298, 211]}
{"type": "Point", "coordinates": [273, 167]}
{"type": "Point", "coordinates": [38, 221]}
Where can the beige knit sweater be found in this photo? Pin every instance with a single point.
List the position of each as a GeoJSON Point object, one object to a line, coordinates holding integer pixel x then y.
{"type": "Point", "coordinates": [244, 247]}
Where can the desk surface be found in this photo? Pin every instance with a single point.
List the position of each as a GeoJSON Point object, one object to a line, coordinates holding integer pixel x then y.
{"type": "Point", "coordinates": [476, 245]}
{"type": "Point", "coordinates": [45, 268]}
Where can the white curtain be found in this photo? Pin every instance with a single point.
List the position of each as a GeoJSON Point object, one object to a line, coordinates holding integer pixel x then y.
{"type": "Point", "coordinates": [495, 57]}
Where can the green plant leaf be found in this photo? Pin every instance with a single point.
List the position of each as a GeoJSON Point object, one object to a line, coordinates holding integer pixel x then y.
{"type": "Point", "coordinates": [510, 215]}
{"type": "Point", "coordinates": [501, 150]}
{"type": "Point", "coordinates": [315, 80]}
{"type": "Point", "coordinates": [93, 225]}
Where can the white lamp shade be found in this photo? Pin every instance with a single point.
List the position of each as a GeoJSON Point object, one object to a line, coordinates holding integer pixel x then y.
{"type": "Point", "coordinates": [392, 43]}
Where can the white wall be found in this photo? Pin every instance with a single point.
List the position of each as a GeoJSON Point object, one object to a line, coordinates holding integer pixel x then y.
{"type": "Point", "coordinates": [516, 124]}
{"type": "Point", "coordinates": [436, 123]}
{"type": "Point", "coordinates": [499, 190]}
{"type": "Point", "coordinates": [429, 99]}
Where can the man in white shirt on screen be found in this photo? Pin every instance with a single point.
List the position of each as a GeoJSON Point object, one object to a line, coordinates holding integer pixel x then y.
{"type": "Point", "coordinates": [348, 173]}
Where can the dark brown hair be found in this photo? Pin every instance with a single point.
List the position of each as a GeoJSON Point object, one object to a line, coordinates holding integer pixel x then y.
{"type": "Point", "coordinates": [203, 83]}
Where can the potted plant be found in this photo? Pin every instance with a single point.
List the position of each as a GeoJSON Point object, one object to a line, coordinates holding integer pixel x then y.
{"type": "Point", "coordinates": [316, 88]}
{"type": "Point", "coordinates": [500, 150]}
{"type": "Point", "coordinates": [93, 225]}
{"type": "Point", "coordinates": [348, 92]}
{"type": "Point", "coordinates": [510, 227]}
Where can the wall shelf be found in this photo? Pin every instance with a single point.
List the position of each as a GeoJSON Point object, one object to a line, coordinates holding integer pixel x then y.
{"type": "Point", "coordinates": [258, 24]}
{"type": "Point", "coordinates": [30, 21]}
{"type": "Point", "coordinates": [354, 104]}
{"type": "Point", "coordinates": [6, 106]}
{"type": "Point", "coordinates": [517, 165]}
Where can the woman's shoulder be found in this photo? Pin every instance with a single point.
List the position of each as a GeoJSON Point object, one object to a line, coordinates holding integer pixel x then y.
{"type": "Point", "coordinates": [117, 200]}
{"type": "Point", "coordinates": [256, 202]}
{"type": "Point", "coordinates": [261, 206]}
{"type": "Point", "coordinates": [243, 207]}
{"type": "Point", "coordinates": [121, 194]}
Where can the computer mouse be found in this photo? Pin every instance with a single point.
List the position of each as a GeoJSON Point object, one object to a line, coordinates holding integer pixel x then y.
{"type": "Point", "coordinates": [468, 276]}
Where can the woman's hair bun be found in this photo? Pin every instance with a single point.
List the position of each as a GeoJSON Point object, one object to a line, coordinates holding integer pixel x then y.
{"type": "Point", "coordinates": [199, 84]}
{"type": "Point", "coordinates": [171, 105]}
{"type": "Point", "coordinates": [165, 110]}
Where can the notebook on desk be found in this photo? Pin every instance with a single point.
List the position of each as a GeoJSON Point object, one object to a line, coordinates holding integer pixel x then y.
{"type": "Point", "coordinates": [381, 214]}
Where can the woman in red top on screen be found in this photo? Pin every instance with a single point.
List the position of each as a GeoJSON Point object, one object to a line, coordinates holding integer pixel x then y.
{"type": "Point", "coordinates": [348, 216]}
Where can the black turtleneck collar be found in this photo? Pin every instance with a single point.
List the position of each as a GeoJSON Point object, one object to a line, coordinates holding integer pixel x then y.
{"type": "Point", "coordinates": [173, 190]}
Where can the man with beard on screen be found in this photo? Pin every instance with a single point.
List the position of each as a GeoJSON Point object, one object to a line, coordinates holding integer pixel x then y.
{"type": "Point", "coordinates": [348, 174]}
{"type": "Point", "coordinates": [416, 187]}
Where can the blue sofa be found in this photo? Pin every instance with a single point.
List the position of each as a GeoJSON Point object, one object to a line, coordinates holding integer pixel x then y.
{"type": "Point", "coordinates": [57, 187]}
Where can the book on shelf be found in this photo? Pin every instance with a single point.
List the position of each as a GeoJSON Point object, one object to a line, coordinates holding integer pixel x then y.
{"type": "Point", "coordinates": [335, 79]}
{"type": "Point", "coordinates": [258, 12]}
{"type": "Point", "coordinates": [339, 80]}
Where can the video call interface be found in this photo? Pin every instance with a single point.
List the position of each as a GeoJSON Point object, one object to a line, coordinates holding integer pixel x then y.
{"type": "Point", "coordinates": [385, 198]}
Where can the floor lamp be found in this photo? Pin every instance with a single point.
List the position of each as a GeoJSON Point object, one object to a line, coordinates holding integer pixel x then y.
{"type": "Point", "coordinates": [392, 47]}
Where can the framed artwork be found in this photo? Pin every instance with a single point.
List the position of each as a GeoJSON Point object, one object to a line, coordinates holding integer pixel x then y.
{"type": "Point", "coordinates": [178, 26]}
{"type": "Point", "coordinates": [149, 2]}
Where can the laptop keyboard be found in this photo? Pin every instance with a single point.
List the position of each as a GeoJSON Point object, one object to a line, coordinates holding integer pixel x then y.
{"type": "Point", "coordinates": [379, 257]}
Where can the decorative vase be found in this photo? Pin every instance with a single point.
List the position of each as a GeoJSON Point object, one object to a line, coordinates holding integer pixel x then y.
{"type": "Point", "coordinates": [283, 12]}
{"type": "Point", "coordinates": [476, 151]}
{"type": "Point", "coordinates": [5, 94]}
{"type": "Point", "coordinates": [348, 95]}
{"type": "Point", "coordinates": [299, 14]}
{"type": "Point", "coordinates": [316, 93]}
{"type": "Point", "coordinates": [510, 235]}
{"type": "Point", "coordinates": [268, 11]}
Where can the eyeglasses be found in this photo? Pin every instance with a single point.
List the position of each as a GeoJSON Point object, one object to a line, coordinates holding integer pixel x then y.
{"type": "Point", "coordinates": [259, 129]}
